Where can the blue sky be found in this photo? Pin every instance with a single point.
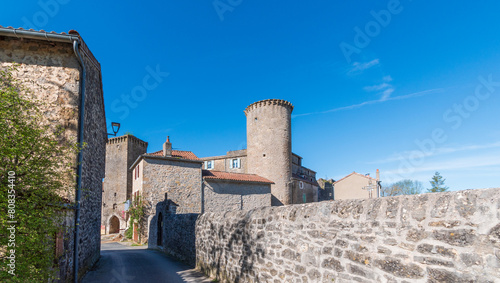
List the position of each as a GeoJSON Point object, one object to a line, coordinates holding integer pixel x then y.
{"type": "Point", "coordinates": [408, 87]}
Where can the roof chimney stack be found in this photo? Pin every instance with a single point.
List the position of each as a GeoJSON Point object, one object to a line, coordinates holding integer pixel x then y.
{"type": "Point", "coordinates": [378, 175]}
{"type": "Point", "coordinates": [167, 148]}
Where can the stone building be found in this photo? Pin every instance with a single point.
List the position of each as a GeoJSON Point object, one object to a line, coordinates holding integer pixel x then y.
{"type": "Point", "coordinates": [269, 154]}
{"type": "Point", "coordinates": [121, 152]}
{"type": "Point", "coordinates": [357, 186]}
{"type": "Point", "coordinates": [325, 189]}
{"type": "Point", "coordinates": [301, 186]}
{"type": "Point", "coordinates": [60, 70]}
{"type": "Point", "coordinates": [177, 178]}
{"type": "Point", "coordinates": [266, 173]}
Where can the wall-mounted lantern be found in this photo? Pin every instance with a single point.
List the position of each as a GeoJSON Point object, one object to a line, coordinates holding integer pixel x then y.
{"type": "Point", "coordinates": [115, 126]}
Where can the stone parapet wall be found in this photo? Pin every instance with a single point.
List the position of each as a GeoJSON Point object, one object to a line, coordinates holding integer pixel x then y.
{"type": "Point", "coordinates": [440, 237]}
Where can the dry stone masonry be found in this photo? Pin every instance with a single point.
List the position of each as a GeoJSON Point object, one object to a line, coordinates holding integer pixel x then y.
{"type": "Point", "coordinates": [440, 237]}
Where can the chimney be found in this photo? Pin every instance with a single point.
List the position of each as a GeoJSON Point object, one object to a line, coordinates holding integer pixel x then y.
{"type": "Point", "coordinates": [167, 148]}
{"type": "Point", "coordinates": [378, 175]}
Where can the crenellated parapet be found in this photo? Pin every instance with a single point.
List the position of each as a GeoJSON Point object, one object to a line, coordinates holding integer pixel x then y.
{"type": "Point", "coordinates": [126, 138]}
{"type": "Point", "coordinates": [267, 102]}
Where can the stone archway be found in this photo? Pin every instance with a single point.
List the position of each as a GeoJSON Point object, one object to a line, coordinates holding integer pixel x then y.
{"type": "Point", "coordinates": [114, 225]}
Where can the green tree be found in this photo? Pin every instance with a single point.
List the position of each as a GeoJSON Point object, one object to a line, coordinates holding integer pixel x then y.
{"type": "Point", "coordinates": [403, 187]}
{"type": "Point", "coordinates": [136, 212]}
{"type": "Point", "coordinates": [35, 180]}
{"type": "Point", "coordinates": [437, 184]}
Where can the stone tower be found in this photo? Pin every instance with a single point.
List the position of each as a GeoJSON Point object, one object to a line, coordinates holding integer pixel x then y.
{"type": "Point", "coordinates": [269, 146]}
{"type": "Point", "coordinates": [121, 152]}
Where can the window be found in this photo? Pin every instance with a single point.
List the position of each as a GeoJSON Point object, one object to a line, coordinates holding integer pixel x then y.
{"type": "Point", "coordinates": [235, 163]}
{"type": "Point", "coordinates": [136, 172]}
{"type": "Point", "coordinates": [209, 165]}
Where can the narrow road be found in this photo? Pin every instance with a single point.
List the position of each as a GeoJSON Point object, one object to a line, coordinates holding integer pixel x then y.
{"type": "Point", "coordinates": [121, 264]}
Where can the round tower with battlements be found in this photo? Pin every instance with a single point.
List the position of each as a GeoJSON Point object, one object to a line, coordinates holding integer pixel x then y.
{"type": "Point", "coordinates": [269, 145]}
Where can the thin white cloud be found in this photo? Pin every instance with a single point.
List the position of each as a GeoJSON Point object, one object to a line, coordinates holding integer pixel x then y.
{"type": "Point", "coordinates": [377, 87]}
{"type": "Point", "coordinates": [467, 163]}
{"type": "Point", "coordinates": [438, 151]}
{"type": "Point", "coordinates": [387, 79]}
{"type": "Point", "coordinates": [358, 67]}
{"type": "Point", "coordinates": [359, 105]}
{"type": "Point", "coordinates": [386, 94]}
{"type": "Point", "coordinates": [388, 89]}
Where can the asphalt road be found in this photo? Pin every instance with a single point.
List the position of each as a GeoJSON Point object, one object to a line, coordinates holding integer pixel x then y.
{"type": "Point", "coordinates": [122, 264]}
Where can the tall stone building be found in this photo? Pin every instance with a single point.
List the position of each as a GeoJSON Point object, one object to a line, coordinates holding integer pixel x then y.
{"type": "Point", "coordinates": [60, 69]}
{"type": "Point", "coordinates": [269, 145]}
{"type": "Point", "coordinates": [269, 154]}
{"type": "Point", "coordinates": [121, 152]}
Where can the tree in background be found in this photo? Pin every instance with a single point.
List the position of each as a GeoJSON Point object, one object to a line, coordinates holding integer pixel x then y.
{"type": "Point", "coordinates": [437, 184]}
{"type": "Point", "coordinates": [35, 183]}
{"type": "Point", "coordinates": [404, 187]}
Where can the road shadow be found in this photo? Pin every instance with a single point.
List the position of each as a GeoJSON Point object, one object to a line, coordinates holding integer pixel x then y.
{"type": "Point", "coordinates": [121, 264]}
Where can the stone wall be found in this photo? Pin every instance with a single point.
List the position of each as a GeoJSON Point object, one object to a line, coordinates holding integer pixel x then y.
{"type": "Point", "coordinates": [223, 162]}
{"type": "Point", "coordinates": [52, 72]}
{"type": "Point", "coordinates": [221, 195]}
{"type": "Point", "coordinates": [93, 168]}
{"type": "Point", "coordinates": [305, 193]}
{"type": "Point", "coordinates": [135, 147]}
{"type": "Point", "coordinates": [440, 237]}
{"type": "Point", "coordinates": [179, 178]}
{"type": "Point", "coordinates": [325, 191]}
{"type": "Point", "coordinates": [178, 237]}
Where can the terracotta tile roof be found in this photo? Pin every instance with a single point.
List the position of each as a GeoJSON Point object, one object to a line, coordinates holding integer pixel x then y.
{"type": "Point", "coordinates": [178, 153]}
{"type": "Point", "coordinates": [354, 173]}
{"type": "Point", "coordinates": [219, 175]}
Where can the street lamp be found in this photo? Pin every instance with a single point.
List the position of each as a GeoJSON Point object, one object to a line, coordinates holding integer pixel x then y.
{"type": "Point", "coordinates": [115, 126]}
